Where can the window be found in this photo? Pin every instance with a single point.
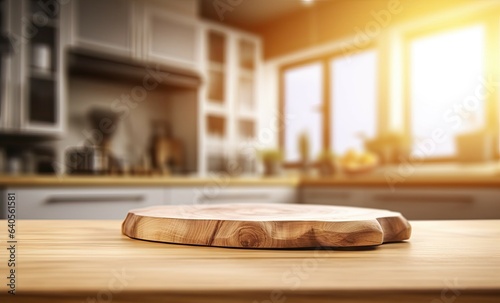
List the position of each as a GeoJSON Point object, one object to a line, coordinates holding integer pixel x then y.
{"type": "Point", "coordinates": [445, 70]}
{"type": "Point", "coordinates": [303, 94]}
{"type": "Point", "coordinates": [354, 104]}
{"type": "Point", "coordinates": [432, 83]}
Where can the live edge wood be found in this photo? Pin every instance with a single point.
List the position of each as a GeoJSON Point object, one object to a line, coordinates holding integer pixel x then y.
{"type": "Point", "coordinates": [91, 261]}
{"type": "Point", "coordinates": [266, 225]}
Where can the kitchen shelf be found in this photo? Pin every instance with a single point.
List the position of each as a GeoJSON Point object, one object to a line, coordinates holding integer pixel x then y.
{"type": "Point", "coordinates": [216, 46]}
{"type": "Point", "coordinates": [216, 108]}
{"type": "Point", "coordinates": [247, 51]}
{"type": "Point", "coordinates": [216, 86]}
{"type": "Point", "coordinates": [42, 108]}
{"type": "Point", "coordinates": [216, 144]}
{"type": "Point", "coordinates": [216, 71]}
{"type": "Point", "coordinates": [246, 129]}
{"type": "Point", "coordinates": [247, 115]}
{"type": "Point", "coordinates": [246, 95]}
{"type": "Point", "coordinates": [216, 125]}
{"type": "Point", "coordinates": [43, 74]}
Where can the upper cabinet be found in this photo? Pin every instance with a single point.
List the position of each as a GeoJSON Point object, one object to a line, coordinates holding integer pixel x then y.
{"type": "Point", "coordinates": [5, 62]}
{"type": "Point", "coordinates": [143, 30]}
{"type": "Point", "coordinates": [42, 82]}
{"type": "Point", "coordinates": [232, 60]}
{"type": "Point", "coordinates": [171, 39]}
{"type": "Point", "coordinates": [104, 26]}
{"type": "Point", "coordinates": [32, 70]}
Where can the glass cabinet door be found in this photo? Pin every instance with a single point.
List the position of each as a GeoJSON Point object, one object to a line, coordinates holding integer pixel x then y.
{"type": "Point", "coordinates": [43, 67]}
{"type": "Point", "coordinates": [42, 80]}
{"type": "Point", "coordinates": [4, 62]}
{"type": "Point", "coordinates": [216, 67]}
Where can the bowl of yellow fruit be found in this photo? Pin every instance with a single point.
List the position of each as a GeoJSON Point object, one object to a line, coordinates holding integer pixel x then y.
{"type": "Point", "coordinates": [354, 162]}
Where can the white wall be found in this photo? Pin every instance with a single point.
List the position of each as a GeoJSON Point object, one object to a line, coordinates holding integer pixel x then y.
{"type": "Point", "coordinates": [267, 131]}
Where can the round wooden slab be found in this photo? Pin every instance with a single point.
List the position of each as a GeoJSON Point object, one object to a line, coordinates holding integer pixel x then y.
{"type": "Point", "coordinates": [266, 225]}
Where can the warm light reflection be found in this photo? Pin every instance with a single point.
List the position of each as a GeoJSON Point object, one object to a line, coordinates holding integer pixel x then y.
{"type": "Point", "coordinates": [304, 97]}
{"type": "Point", "coordinates": [354, 101]}
{"type": "Point", "coordinates": [445, 70]}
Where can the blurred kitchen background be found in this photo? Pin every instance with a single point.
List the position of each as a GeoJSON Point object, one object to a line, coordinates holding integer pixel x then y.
{"type": "Point", "coordinates": [376, 103]}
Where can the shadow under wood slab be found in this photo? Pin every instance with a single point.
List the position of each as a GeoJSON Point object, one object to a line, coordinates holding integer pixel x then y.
{"type": "Point", "coordinates": [266, 225]}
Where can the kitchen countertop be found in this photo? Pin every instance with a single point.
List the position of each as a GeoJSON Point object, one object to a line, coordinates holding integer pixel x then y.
{"type": "Point", "coordinates": [34, 180]}
{"type": "Point", "coordinates": [83, 261]}
{"type": "Point", "coordinates": [436, 175]}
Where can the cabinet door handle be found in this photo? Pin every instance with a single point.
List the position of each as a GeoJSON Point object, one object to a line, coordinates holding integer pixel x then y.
{"type": "Point", "coordinates": [90, 198]}
{"type": "Point", "coordinates": [234, 197]}
{"type": "Point", "coordinates": [423, 198]}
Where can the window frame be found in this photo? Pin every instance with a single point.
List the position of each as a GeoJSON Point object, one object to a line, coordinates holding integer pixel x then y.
{"type": "Point", "coordinates": [324, 60]}
{"type": "Point", "coordinates": [402, 39]}
{"type": "Point", "coordinates": [491, 23]}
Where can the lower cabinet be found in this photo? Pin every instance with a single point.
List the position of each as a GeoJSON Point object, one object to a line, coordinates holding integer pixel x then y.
{"type": "Point", "coordinates": [248, 194]}
{"type": "Point", "coordinates": [115, 202]}
{"type": "Point", "coordinates": [414, 203]}
{"type": "Point", "coordinates": [332, 196]}
{"type": "Point", "coordinates": [438, 204]}
{"type": "Point", "coordinates": [82, 202]}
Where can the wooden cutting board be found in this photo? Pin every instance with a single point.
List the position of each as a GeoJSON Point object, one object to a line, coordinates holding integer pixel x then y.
{"type": "Point", "coordinates": [266, 225]}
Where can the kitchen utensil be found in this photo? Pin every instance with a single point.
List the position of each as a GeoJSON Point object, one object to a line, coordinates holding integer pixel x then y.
{"type": "Point", "coordinates": [266, 225]}
{"type": "Point", "coordinates": [89, 160]}
{"type": "Point", "coordinates": [15, 165]}
{"type": "Point", "coordinates": [96, 156]}
{"type": "Point", "coordinates": [41, 57]}
{"type": "Point", "coordinates": [104, 121]}
{"type": "Point", "coordinates": [160, 149]}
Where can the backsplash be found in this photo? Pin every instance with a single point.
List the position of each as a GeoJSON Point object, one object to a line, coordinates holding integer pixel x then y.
{"type": "Point", "coordinates": [132, 137]}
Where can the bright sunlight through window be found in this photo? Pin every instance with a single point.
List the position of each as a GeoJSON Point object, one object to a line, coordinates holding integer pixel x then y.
{"type": "Point", "coordinates": [354, 100]}
{"type": "Point", "coordinates": [303, 95]}
{"type": "Point", "coordinates": [445, 70]}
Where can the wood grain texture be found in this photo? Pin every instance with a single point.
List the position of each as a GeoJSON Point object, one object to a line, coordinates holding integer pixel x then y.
{"type": "Point", "coordinates": [266, 225]}
{"type": "Point", "coordinates": [91, 261]}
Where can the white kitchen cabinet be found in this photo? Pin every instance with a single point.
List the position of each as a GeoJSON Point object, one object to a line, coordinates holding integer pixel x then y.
{"type": "Point", "coordinates": [413, 203]}
{"type": "Point", "coordinates": [229, 128]}
{"type": "Point", "coordinates": [82, 202]}
{"type": "Point", "coordinates": [105, 26]}
{"type": "Point", "coordinates": [144, 30]}
{"type": "Point", "coordinates": [437, 203]}
{"type": "Point", "coordinates": [34, 71]}
{"type": "Point", "coordinates": [171, 39]}
{"type": "Point", "coordinates": [332, 196]}
{"type": "Point", "coordinates": [212, 193]}
{"type": "Point", "coordinates": [3, 204]}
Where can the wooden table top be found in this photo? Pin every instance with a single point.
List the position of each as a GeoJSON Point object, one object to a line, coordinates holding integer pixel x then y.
{"type": "Point", "coordinates": [83, 261]}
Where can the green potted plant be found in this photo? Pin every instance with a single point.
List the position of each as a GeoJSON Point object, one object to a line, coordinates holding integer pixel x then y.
{"type": "Point", "coordinates": [304, 146]}
{"type": "Point", "coordinates": [327, 163]}
{"type": "Point", "coordinates": [271, 159]}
